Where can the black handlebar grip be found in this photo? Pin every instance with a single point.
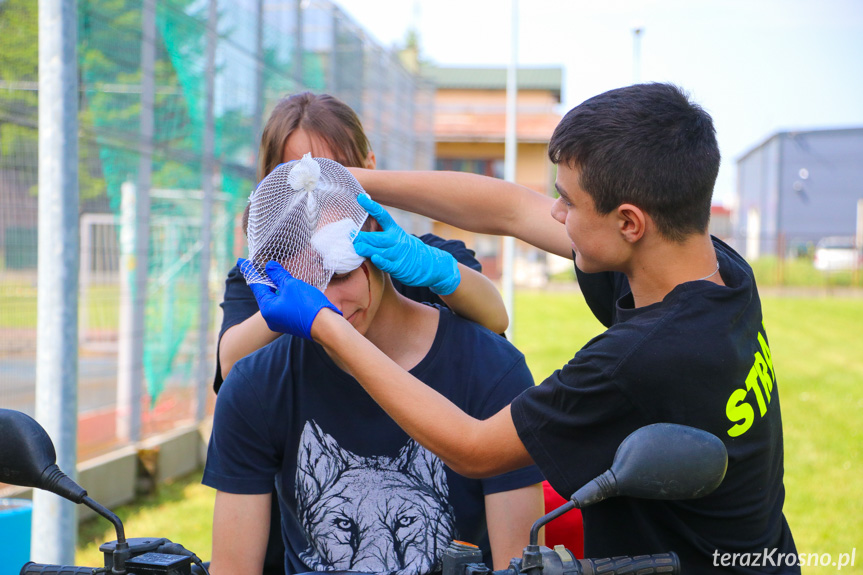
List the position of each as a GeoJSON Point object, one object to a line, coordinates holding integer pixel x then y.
{"type": "Point", "coordinates": [44, 569]}
{"type": "Point", "coordinates": [641, 564]}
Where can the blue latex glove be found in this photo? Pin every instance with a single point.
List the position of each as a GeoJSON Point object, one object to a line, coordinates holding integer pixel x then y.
{"type": "Point", "coordinates": [293, 306]}
{"type": "Point", "coordinates": [403, 256]}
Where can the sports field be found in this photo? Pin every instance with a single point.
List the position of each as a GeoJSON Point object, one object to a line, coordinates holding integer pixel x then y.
{"type": "Point", "coordinates": [817, 351]}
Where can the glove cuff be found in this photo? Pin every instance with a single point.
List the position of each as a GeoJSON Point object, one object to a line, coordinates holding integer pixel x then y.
{"type": "Point", "coordinates": [449, 284]}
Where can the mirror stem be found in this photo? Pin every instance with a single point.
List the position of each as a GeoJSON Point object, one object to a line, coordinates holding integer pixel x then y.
{"type": "Point", "coordinates": [534, 531]}
{"type": "Point", "coordinates": [121, 551]}
{"type": "Point", "coordinates": [109, 515]}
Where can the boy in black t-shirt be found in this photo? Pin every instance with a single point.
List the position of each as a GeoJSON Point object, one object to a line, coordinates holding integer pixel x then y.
{"type": "Point", "coordinates": [685, 341]}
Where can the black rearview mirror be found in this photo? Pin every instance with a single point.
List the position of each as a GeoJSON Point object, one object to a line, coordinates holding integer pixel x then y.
{"type": "Point", "coordinates": [661, 461]}
{"type": "Point", "coordinates": [28, 459]}
{"type": "Point", "coordinates": [26, 449]}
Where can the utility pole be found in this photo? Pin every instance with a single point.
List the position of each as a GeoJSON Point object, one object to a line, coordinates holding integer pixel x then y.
{"type": "Point", "coordinates": [636, 54]}
{"type": "Point", "coordinates": [509, 163]}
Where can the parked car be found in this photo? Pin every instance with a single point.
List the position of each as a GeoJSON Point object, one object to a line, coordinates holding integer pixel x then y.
{"type": "Point", "coordinates": [837, 253]}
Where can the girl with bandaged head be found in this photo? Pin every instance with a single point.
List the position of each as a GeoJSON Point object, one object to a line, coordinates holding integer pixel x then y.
{"type": "Point", "coordinates": [354, 492]}
{"type": "Point", "coordinates": [325, 127]}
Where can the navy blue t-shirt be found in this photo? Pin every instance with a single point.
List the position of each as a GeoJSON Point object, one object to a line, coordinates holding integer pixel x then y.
{"type": "Point", "coordinates": [239, 303]}
{"type": "Point", "coordinates": [355, 491]}
{"type": "Point", "coordinates": [701, 358]}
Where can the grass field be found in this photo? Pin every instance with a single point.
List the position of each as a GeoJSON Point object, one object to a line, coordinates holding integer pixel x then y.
{"type": "Point", "coordinates": [797, 272]}
{"type": "Point", "coordinates": [18, 305]}
{"type": "Point", "coordinates": [18, 291]}
{"type": "Point", "coordinates": [817, 350]}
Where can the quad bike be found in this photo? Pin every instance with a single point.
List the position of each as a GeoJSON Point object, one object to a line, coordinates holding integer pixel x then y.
{"type": "Point", "coordinates": [660, 461]}
{"type": "Point", "coordinates": [28, 459]}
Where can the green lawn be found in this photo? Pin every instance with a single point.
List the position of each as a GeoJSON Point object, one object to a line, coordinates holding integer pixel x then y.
{"type": "Point", "coordinates": [818, 353]}
{"type": "Point", "coordinates": [18, 305]}
{"type": "Point", "coordinates": [18, 292]}
{"type": "Point", "coordinates": [799, 272]}
{"type": "Point", "coordinates": [819, 360]}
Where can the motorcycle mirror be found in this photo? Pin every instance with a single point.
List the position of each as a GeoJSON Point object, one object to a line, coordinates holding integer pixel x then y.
{"type": "Point", "coordinates": [28, 458]}
{"type": "Point", "coordinates": [660, 461]}
{"type": "Point", "coordinates": [27, 449]}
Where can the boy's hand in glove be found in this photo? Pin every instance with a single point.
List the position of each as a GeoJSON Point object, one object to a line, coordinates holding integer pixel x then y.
{"type": "Point", "coordinates": [403, 256]}
{"type": "Point", "coordinates": [293, 306]}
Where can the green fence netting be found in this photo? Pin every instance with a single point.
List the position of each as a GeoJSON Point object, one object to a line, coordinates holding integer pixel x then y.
{"type": "Point", "coordinates": [263, 50]}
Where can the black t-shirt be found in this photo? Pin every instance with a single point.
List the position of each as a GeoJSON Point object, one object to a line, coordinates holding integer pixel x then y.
{"type": "Point", "coordinates": [699, 357]}
{"type": "Point", "coordinates": [240, 304]}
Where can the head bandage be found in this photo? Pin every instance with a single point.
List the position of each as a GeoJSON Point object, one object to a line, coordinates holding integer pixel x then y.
{"type": "Point", "coordinates": [305, 216]}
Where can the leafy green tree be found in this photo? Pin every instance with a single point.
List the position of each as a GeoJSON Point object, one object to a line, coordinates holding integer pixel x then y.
{"type": "Point", "coordinates": [18, 40]}
{"type": "Point", "coordinates": [19, 99]}
{"type": "Point", "coordinates": [18, 82]}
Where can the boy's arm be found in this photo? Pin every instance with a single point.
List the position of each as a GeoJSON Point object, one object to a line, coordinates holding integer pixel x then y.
{"type": "Point", "coordinates": [241, 527]}
{"type": "Point", "coordinates": [509, 516]}
{"type": "Point", "coordinates": [472, 202]}
{"type": "Point", "coordinates": [471, 447]}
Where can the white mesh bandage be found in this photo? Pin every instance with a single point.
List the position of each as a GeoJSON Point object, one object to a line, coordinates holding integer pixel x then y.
{"type": "Point", "coordinates": [305, 216]}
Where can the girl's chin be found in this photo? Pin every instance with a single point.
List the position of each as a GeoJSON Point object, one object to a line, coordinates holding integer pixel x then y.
{"type": "Point", "coordinates": [355, 319]}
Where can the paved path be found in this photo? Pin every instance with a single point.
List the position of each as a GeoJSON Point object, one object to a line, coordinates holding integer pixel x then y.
{"type": "Point", "coordinates": [97, 397]}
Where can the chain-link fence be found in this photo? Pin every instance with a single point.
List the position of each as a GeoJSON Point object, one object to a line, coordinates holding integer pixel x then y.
{"type": "Point", "coordinates": [260, 51]}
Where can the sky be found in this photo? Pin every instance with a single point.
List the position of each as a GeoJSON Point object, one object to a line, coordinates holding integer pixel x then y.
{"type": "Point", "coordinates": [757, 66]}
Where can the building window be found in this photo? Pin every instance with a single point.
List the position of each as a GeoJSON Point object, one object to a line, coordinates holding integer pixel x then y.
{"type": "Point", "coordinates": [493, 168]}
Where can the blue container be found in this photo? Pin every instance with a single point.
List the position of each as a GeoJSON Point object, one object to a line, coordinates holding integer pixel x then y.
{"type": "Point", "coordinates": [15, 520]}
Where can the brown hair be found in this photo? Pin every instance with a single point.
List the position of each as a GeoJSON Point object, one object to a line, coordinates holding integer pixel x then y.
{"type": "Point", "coordinates": [321, 115]}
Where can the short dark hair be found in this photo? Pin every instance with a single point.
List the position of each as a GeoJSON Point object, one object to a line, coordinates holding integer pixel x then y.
{"type": "Point", "coordinates": [647, 145]}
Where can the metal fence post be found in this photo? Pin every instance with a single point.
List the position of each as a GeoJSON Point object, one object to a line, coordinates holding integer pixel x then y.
{"type": "Point", "coordinates": [205, 368]}
{"type": "Point", "coordinates": [131, 364]}
{"type": "Point", "coordinates": [54, 526]}
{"type": "Point", "coordinates": [510, 158]}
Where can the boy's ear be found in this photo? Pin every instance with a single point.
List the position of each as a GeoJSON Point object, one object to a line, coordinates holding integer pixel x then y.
{"type": "Point", "coordinates": [633, 222]}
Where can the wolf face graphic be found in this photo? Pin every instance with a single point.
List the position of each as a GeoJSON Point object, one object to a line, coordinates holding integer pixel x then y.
{"type": "Point", "coordinates": [374, 514]}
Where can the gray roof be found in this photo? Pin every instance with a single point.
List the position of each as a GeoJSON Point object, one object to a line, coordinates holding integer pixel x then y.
{"type": "Point", "coordinates": [547, 78]}
{"type": "Point", "coordinates": [854, 130]}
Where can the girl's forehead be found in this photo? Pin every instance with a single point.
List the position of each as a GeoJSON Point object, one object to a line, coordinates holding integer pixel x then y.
{"type": "Point", "coordinates": [301, 142]}
{"type": "Point", "coordinates": [352, 281]}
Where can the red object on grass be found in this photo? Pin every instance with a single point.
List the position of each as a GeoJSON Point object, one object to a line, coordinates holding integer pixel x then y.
{"type": "Point", "coordinates": [567, 529]}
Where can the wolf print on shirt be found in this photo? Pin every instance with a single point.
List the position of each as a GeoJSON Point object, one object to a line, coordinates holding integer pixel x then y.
{"type": "Point", "coordinates": [374, 514]}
